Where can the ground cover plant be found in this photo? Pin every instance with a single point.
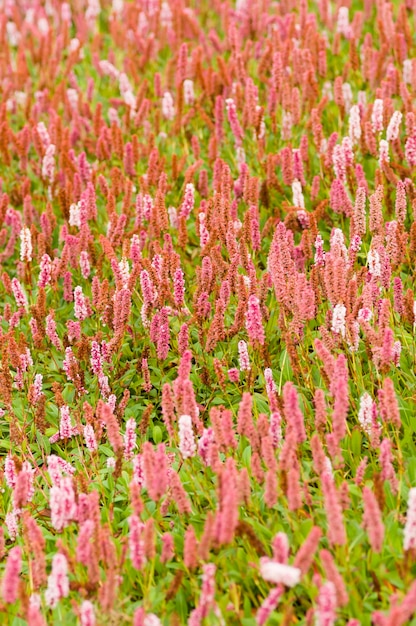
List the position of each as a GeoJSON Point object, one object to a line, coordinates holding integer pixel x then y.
{"type": "Point", "coordinates": [207, 319]}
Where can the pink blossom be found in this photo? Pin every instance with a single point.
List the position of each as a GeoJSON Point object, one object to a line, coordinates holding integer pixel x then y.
{"type": "Point", "coordinates": [268, 605]}
{"type": "Point", "coordinates": [393, 127]}
{"type": "Point", "coordinates": [410, 150]}
{"type": "Point", "coordinates": [365, 413]}
{"type": "Point", "coordinates": [84, 264]}
{"type": "Point", "coordinates": [298, 199]}
{"type": "Point", "coordinates": [130, 438]}
{"type": "Point", "coordinates": [51, 332]}
{"type": "Point", "coordinates": [25, 245]}
{"type": "Point", "coordinates": [409, 542]}
{"type": "Point", "coordinates": [45, 273]}
{"type": "Point", "coordinates": [37, 387]}
{"type": "Point", "coordinates": [10, 471]}
{"type": "Point", "coordinates": [343, 25]}
{"type": "Point", "coordinates": [87, 614]}
{"type": "Point", "coordinates": [188, 92]}
{"type": "Point", "coordinates": [383, 156]}
{"type": "Point", "coordinates": [292, 411]}
{"type": "Point", "coordinates": [148, 290]}
{"type": "Point", "coordinates": [244, 359]}
{"type": "Point", "coordinates": [234, 375]}
{"type": "Point", "coordinates": [19, 294]}
{"type": "Point", "coordinates": [377, 115]}
{"type": "Point", "coordinates": [188, 201]}
{"type": "Point", "coordinates": [10, 583]}
{"type": "Point", "coordinates": [327, 604]}
{"type": "Point", "coordinates": [58, 583]}
{"type": "Point", "coordinates": [355, 124]}
{"type": "Point", "coordinates": [233, 120]}
{"type": "Point", "coordinates": [136, 542]}
{"type": "Point", "coordinates": [90, 439]}
{"type": "Point", "coordinates": [279, 573]}
{"type": "Point", "coordinates": [179, 287]}
{"type": "Point", "coordinates": [372, 520]}
{"type": "Point", "coordinates": [320, 253]}
{"type": "Point", "coordinates": [62, 503]}
{"type": "Point", "coordinates": [168, 108]}
{"type": "Point", "coordinates": [80, 306]}
{"type": "Point", "coordinates": [254, 323]}
{"type": "Point", "coordinates": [187, 445]}
{"type": "Point", "coordinates": [204, 445]}
{"type": "Point", "coordinates": [48, 163]}
{"type": "Point", "coordinates": [338, 320]}
{"type": "Point", "coordinates": [12, 524]}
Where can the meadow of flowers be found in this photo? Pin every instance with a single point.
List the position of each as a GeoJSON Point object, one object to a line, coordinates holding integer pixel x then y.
{"type": "Point", "coordinates": [207, 319]}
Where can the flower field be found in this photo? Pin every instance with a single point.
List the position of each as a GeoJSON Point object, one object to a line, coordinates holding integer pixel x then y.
{"type": "Point", "coordinates": [207, 313]}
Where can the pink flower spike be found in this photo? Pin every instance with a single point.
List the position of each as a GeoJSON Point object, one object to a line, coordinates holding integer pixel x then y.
{"type": "Point", "coordinates": [409, 542]}
{"type": "Point", "coordinates": [10, 583]}
{"type": "Point", "coordinates": [327, 603]}
{"type": "Point", "coordinates": [244, 359]}
{"type": "Point", "coordinates": [187, 444]}
{"type": "Point", "coordinates": [87, 614]}
{"type": "Point", "coordinates": [279, 573]}
{"type": "Point", "coordinates": [58, 583]}
{"type": "Point", "coordinates": [254, 323]}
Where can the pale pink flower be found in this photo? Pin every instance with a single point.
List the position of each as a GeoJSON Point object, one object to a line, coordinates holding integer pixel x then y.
{"type": "Point", "coordinates": [51, 332]}
{"type": "Point", "coordinates": [84, 264]}
{"type": "Point", "coordinates": [80, 306]}
{"type": "Point", "coordinates": [343, 25]}
{"type": "Point", "coordinates": [10, 473]}
{"type": "Point", "coordinates": [383, 153]}
{"type": "Point", "coordinates": [355, 124]}
{"type": "Point", "coordinates": [43, 134]}
{"type": "Point", "coordinates": [19, 294]}
{"type": "Point", "coordinates": [244, 359]}
{"type": "Point", "coordinates": [410, 150]}
{"type": "Point", "coordinates": [338, 319]}
{"type": "Point", "coordinates": [365, 413]}
{"type": "Point", "coordinates": [48, 163]}
{"type": "Point", "coordinates": [75, 215]}
{"type": "Point", "coordinates": [187, 445]}
{"type": "Point", "coordinates": [320, 253]}
{"type": "Point", "coordinates": [87, 614]}
{"type": "Point", "coordinates": [188, 201]}
{"type": "Point", "coordinates": [25, 244]}
{"type": "Point", "coordinates": [62, 503]}
{"type": "Point", "coordinates": [168, 109]}
{"type": "Point", "coordinates": [188, 92]}
{"type": "Point", "coordinates": [58, 583]}
{"type": "Point", "coordinates": [89, 436]}
{"type": "Point", "coordinates": [409, 542]}
{"type": "Point", "coordinates": [130, 438]}
{"type": "Point", "coordinates": [279, 573]}
{"type": "Point", "coordinates": [298, 199]}
{"type": "Point", "coordinates": [45, 273]}
{"type": "Point", "coordinates": [393, 127]}
{"type": "Point", "coordinates": [407, 71]}
{"type": "Point", "coordinates": [377, 115]}
{"type": "Point", "coordinates": [11, 520]}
